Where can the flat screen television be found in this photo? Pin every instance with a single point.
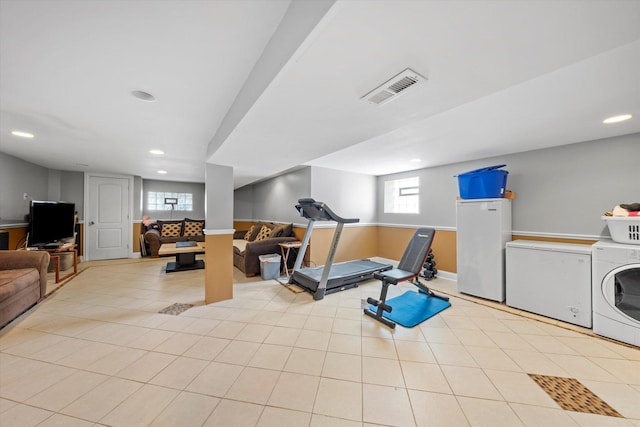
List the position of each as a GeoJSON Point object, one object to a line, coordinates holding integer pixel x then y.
{"type": "Point", "coordinates": [49, 222]}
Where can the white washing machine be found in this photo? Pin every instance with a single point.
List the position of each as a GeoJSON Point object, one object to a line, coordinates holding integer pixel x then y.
{"type": "Point", "coordinates": [616, 291]}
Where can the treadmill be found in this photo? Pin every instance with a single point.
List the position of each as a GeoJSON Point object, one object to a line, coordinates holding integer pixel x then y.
{"type": "Point", "coordinates": [331, 277]}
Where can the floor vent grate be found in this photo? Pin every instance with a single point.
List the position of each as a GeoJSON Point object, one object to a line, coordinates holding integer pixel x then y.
{"type": "Point", "coordinates": [176, 309]}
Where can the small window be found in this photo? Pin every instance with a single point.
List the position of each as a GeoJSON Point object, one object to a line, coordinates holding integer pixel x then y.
{"type": "Point", "coordinates": [409, 191]}
{"type": "Point", "coordinates": [402, 195]}
{"type": "Point", "coordinates": [156, 201]}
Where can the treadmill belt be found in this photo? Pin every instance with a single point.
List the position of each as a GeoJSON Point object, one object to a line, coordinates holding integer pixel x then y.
{"type": "Point", "coordinates": [341, 274]}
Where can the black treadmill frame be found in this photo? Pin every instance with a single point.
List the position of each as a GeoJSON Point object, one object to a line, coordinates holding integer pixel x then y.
{"type": "Point", "coordinates": [338, 282]}
{"type": "Point", "coordinates": [318, 211]}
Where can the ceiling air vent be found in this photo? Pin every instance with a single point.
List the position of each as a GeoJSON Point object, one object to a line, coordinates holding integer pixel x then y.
{"type": "Point", "coordinates": [394, 87]}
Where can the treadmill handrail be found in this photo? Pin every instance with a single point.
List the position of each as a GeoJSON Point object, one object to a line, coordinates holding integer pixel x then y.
{"type": "Point", "coordinates": [319, 211]}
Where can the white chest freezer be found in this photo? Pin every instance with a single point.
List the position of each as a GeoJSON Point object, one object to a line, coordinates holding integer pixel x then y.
{"type": "Point", "coordinates": [551, 279]}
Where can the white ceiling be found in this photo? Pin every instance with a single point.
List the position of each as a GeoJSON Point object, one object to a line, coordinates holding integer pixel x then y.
{"type": "Point", "coordinates": [503, 77]}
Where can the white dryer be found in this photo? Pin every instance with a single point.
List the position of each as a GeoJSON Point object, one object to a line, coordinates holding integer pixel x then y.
{"type": "Point", "coordinates": [616, 291]}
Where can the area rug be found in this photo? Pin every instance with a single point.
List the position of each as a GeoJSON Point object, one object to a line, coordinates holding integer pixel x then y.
{"type": "Point", "coordinates": [412, 308]}
{"type": "Point", "coordinates": [572, 395]}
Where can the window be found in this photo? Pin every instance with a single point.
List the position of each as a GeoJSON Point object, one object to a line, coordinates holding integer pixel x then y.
{"type": "Point", "coordinates": [402, 195]}
{"type": "Point", "coordinates": [155, 201]}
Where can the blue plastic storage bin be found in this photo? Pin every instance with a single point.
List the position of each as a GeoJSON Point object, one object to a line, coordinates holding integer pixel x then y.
{"type": "Point", "coordinates": [484, 183]}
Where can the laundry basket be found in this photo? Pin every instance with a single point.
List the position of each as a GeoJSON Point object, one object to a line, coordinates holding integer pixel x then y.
{"type": "Point", "coordinates": [624, 229]}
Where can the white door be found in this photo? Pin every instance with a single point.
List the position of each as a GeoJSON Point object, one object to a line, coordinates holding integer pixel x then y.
{"type": "Point", "coordinates": [107, 223]}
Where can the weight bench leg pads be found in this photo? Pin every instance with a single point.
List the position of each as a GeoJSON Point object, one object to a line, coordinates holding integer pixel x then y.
{"type": "Point", "coordinates": [382, 306]}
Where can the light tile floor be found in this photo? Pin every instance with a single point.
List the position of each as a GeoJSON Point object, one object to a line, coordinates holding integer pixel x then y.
{"type": "Point", "coordinates": [96, 352]}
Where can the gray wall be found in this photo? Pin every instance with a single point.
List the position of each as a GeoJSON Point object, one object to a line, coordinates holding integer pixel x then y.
{"type": "Point", "coordinates": [243, 203]}
{"type": "Point", "coordinates": [53, 182]}
{"type": "Point", "coordinates": [350, 195]}
{"type": "Point", "coordinates": [560, 191]}
{"type": "Point", "coordinates": [275, 198]}
{"type": "Point", "coordinates": [16, 178]}
{"type": "Point", "coordinates": [196, 188]}
{"type": "Point", "coordinates": [137, 197]}
{"type": "Point", "coordinates": [72, 190]}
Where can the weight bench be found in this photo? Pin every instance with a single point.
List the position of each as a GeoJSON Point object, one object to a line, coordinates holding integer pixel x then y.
{"type": "Point", "coordinates": [408, 269]}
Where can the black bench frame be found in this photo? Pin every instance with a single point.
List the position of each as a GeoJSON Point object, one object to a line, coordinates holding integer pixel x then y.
{"type": "Point", "coordinates": [408, 269]}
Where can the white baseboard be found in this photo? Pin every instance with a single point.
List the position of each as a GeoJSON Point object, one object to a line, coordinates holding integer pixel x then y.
{"type": "Point", "coordinates": [447, 275]}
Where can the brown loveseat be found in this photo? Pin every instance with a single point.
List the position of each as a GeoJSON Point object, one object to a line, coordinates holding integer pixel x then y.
{"type": "Point", "coordinates": [172, 231]}
{"type": "Point", "coordinates": [249, 245]}
{"type": "Point", "coordinates": [23, 281]}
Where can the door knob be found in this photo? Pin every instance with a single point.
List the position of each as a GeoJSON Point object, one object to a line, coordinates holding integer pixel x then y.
{"type": "Point", "coordinates": [91, 223]}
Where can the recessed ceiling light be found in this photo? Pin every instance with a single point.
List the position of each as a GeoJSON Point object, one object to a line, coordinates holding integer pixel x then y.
{"type": "Point", "coordinates": [22, 134]}
{"type": "Point", "coordinates": [158, 152]}
{"type": "Point", "coordinates": [145, 96]}
{"type": "Point", "coordinates": [617, 119]}
{"type": "Point", "coordinates": [162, 172]}
{"type": "Point", "coordinates": [416, 160]}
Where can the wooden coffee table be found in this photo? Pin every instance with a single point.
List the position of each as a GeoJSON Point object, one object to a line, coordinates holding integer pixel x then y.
{"type": "Point", "coordinates": [56, 253]}
{"type": "Point", "coordinates": [185, 256]}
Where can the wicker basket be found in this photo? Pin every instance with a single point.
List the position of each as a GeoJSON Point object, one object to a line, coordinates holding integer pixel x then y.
{"type": "Point", "coordinates": [624, 229]}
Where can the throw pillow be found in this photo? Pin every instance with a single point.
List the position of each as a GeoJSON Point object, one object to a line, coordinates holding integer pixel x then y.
{"type": "Point", "coordinates": [287, 231]}
{"type": "Point", "coordinates": [170, 228]}
{"type": "Point", "coordinates": [277, 231]}
{"type": "Point", "coordinates": [256, 230]}
{"type": "Point", "coordinates": [247, 235]}
{"type": "Point", "coordinates": [193, 227]}
{"type": "Point", "coordinates": [264, 233]}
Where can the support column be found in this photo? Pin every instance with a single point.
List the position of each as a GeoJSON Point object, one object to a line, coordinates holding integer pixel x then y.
{"type": "Point", "coordinates": [218, 265]}
{"type": "Point", "coordinates": [218, 278]}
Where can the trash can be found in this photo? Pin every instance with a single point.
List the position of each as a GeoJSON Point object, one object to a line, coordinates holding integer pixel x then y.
{"type": "Point", "coordinates": [269, 266]}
